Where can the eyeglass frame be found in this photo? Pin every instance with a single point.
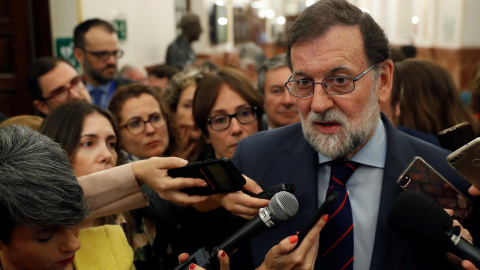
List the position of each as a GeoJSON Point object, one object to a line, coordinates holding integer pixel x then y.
{"type": "Point", "coordinates": [163, 117]}
{"type": "Point", "coordinates": [254, 110]}
{"type": "Point", "coordinates": [67, 89]}
{"type": "Point", "coordinates": [104, 55]}
{"type": "Point", "coordinates": [323, 85]}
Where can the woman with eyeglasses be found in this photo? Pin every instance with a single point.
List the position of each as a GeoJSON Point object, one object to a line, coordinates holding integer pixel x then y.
{"type": "Point", "coordinates": [143, 127]}
{"type": "Point", "coordinates": [143, 134]}
{"type": "Point", "coordinates": [227, 109]}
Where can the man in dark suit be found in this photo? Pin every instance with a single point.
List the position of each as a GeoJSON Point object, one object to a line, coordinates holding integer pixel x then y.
{"type": "Point", "coordinates": [96, 49]}
{"type": "Point", "coordinates": [341, 72]}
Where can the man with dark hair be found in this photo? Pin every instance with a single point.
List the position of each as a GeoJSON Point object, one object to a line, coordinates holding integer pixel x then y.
{"type": "Point", "coordinates": [278, 104]}
{"type": "Point", "coordinates": [179, 52]}
{"type": "Point", "coordinates": [341, 72]}
{"type": "Point", "coordinates": [52, 81]}
{"type": "Point", "coordinates": [96, 48]}
{"type": "Point", "coordinates": [160, 75]}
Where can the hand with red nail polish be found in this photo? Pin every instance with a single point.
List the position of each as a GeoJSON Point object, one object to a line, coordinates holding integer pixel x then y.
{"type": "Point", "coordinates": [303, 257]}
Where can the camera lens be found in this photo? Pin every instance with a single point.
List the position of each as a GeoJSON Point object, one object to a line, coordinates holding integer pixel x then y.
{"type": "Point", "coordinates": [404, 181]}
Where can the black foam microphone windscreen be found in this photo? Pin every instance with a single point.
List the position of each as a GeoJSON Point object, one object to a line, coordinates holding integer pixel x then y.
{"type": "Point", "coordinates": [417, 218]}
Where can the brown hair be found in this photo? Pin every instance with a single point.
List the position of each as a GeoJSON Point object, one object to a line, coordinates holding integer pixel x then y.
{"type": "Point", "coordinates": [209, 87]}
{"type": "Point", "coordinates": [124, 93]}
{"type": "Point", "coordinates": [179, 82]}
{"type": "Point", "coordinates": [318, 18]}
{"type": "Point", "coordinates": [65, 123]}
{"type": "Point", "coordinates": [429, 101]}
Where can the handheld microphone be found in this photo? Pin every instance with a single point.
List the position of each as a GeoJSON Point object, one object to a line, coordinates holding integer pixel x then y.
{"type": "Point", "coordinates": [417, 218]}
{"type": "Point", "coordinates": [282, 206]}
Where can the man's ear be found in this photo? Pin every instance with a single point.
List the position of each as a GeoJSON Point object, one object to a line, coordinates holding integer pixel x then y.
{"type": "Point", "coordinates": [41, 106]}
{"type": "Point", "coordinates": [384, 83]}
{"type": "Point", "coordinates": [79, 54]}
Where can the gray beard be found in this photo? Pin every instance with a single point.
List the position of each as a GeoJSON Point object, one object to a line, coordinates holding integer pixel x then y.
{"type": "Point", "coordinates": [351, 136]}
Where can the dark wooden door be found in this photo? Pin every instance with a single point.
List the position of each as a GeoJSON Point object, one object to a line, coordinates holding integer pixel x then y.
{"type": "Point", "coordinates": [24, 36]}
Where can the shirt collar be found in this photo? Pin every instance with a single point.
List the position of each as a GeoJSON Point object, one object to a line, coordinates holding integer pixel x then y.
{"type": "Point", "coordinates": [373, 153]}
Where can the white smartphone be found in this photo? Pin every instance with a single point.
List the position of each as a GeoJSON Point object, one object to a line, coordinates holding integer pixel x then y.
{"type": "Point", "coordinates": [466, 161]}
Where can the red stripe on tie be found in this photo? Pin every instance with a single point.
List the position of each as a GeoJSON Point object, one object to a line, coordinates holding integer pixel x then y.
{"type": "Point", "coordinates": [336, 180]}
{"type": "Point", "coordinates": [340, 207]}
{"type": "Point", "coordinates": [329, 189]}
{"type": "Point", "coordinates": [349, 165]}
{"type": "Point", "coordinates": [349, 262]}
{"type": "Point", "coordinates": [338, 241]}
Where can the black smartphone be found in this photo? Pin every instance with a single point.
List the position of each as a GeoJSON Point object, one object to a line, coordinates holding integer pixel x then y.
{"type": "Point", "coordinates": [466, 161]}
{"type": "Point", "coordinates": [419, 176]}
{"type": "Point", "coordinates": [268, 193]}
{"type": "Point", "coordinates": [457, 136]}
{"type": "Point", "coordinates": [220, 175]}
{"type": "Point", "coordinates": [320, 212]}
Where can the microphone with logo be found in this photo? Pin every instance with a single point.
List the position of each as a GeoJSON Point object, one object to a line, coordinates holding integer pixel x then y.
{"type": "Point", "coordinates": [282, 206]}
{"type": "Point", "coordinates": [419, 219]}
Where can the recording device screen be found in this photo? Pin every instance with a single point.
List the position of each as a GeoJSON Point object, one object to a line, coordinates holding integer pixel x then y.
{"type": "Point", "coordinates": [217, 171]}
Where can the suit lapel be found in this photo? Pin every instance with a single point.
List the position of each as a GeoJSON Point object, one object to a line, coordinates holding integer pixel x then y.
{"type": "Point", "coordinates": [304, 159]}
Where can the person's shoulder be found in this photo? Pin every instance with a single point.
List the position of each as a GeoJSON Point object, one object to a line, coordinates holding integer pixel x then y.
{"type": "Point", "coordinates": [276, 135]}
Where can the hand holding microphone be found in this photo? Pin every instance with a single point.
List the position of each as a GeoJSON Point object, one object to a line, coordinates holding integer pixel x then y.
{"type": "Point", "coordinates": [281, 256]}
{"type": "Point", "coordinates": [282, 206]}
{"type": "Point", "coordinates": [416, 218]}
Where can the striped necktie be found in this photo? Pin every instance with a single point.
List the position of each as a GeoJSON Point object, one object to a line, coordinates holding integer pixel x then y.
{"type": "Point", "coordinates": [336, 238]}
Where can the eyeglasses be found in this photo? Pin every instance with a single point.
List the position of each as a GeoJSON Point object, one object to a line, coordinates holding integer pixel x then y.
{"type": "Point", "coordinates": [335, 85]}
{"type": "Point", "coordinates": [62, 93]}
{"type": "Point", "coordinates": [222, 122]}
{"type": "Point", "coordinates": [104, 55]}
{"type": "Point", "coordinates": [136, 125]}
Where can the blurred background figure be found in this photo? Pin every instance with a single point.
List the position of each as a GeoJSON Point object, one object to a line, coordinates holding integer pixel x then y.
{"type": "Point", "coordinates": [474, 91]}
{"type": "Point", "coordinates": [227, 109]}
{"type": "Point", "coordinates": [396, 54]}
{"type": "Point", "coordinates": [97, 50]}
{"type": "Point", "coordinates": [53, 81]}
{"type": "Point", "coordinates": [3, 117]}
{"type": "Point", "coordinates": [180, 52]}
{"type": "Point", "coordinates": [31, 121]}
{"type": "Point", "coordinates": [185, 138]}
{"type": "Point", "coordinates": [280, 107]}
{"type": "Point", "coordinates": [160, 75]}
{"type": "Point", "coordinates": [409, 51]}
{"type": "Point", "coordinates": [248, 57]}
{"type": "Point", "coordinates": [424, 98]}
{"type": "Point", "coordinates": [134, 73]}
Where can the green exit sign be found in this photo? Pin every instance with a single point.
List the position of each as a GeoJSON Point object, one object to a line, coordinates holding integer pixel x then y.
{"type": "Point", "coordinates": [121, 27]}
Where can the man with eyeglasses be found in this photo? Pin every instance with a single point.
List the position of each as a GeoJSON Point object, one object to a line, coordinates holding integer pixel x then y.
{"type": "Point", "coordinates": [279, 105]}
{"type": "Point", "coordinates": [97, 50]}
{"type": "Point", "coordinates": [340, 73]}
{"type": "Point", "coordinates": [52, 81]}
